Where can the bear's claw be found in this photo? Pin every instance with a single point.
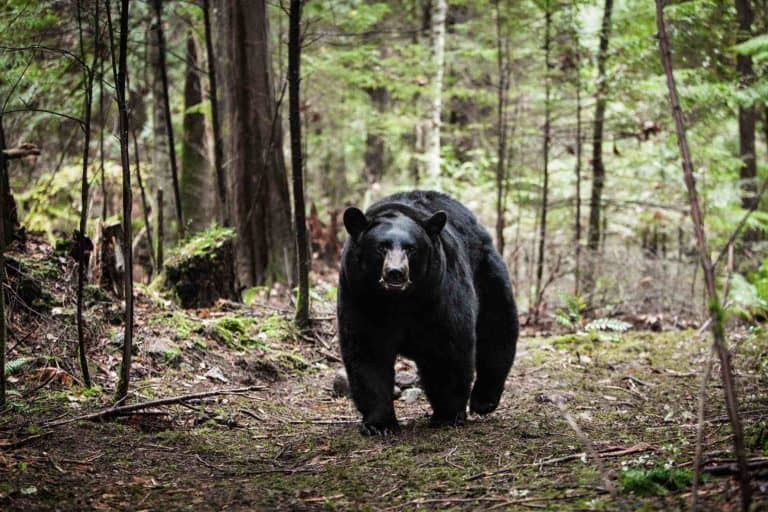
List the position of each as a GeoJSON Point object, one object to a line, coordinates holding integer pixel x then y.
{"type": "Point", "coordinates": [383, 430]}
{"type": "Point", "coordinates": [452, 421]}
{"type": "Point", "coordinates": [482, 408]}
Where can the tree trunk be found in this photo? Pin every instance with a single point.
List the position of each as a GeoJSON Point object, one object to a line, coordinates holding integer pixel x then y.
{"type": "Point", "coordinates": [748, 169]}
{"type": "Point", "coordinates": [218, 144]}
{"type": "Point", "coordinates": [294, 83]}
{"type": "Point", "coordinates": [258, 191]}
{"type": "Point", "coordinates": [3, 203]}
{"type": "Point", "coordinates": [432, 150]}
{"type": "Point", "coordinates": [80, 239]}
{"type": "Point", "coordinates": [120, 71]}
{"type": "Point", "coordinates": [715, 309]}
{"type": "Point", "coordinates": [545, 185]}
{"type": "Point", "coordinates": [502, 60]}
{"type": "Point", "coordinates": [196, 182]}
{"type": "Point", "coordinates": [375, 146]}
{"type": "Point", "coordinates": [102, 122]}
{"type": "Point", "coordinates": [577, 213]}
{"type": "Point", "coordinates": [8, 210]}
{"type": "Point", "coordinates": [145, 209]}
{"type": "Point", "coordinates": [598, 170]}
{"type": "Point", "coordinates": [157, 5]}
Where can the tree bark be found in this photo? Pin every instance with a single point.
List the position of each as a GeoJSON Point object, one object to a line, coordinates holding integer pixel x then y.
{"type": "Point", "coordinates": [715, 309]}
{"type": "Point", "coordinates": [375, 145]}
{"type": "Point", "coordinates": [195, 177]}
{"type": "Point", "coordinates": [144, 202]}
{"type": "Point", "coordinates": [748, 169]}
{"type": "Point", "coordinates": [3, 193]}
{"type": "Point", "coordinates": [503, 67]}
{"type": "Point", "coordinates": [598, 169]}
{"type": "Point", "coordinates": [120, 71]}
{"type": "Point", "coordinates": [157, 5]}
{"type": "Point", "coordinates": [294, 89]}
{"type": "Point", "coordinates": [160, 257]}
{"type": "Point", "coordinates": [258, 192]}
{"type": "Point", "coordinates": [102, 122]}
{"type": "Point", "coordinates": [80, 239]}
{"type": "Point", "coordinates": [439, 11]}
{"type": "Point", "coordinates": [10, 216]}
{"type": "Point", "coordinates": [218, 144]}
{"type": "Point", "coordinates": [577, 213]}
{"type": "Point", "coordinates": [545, 185]}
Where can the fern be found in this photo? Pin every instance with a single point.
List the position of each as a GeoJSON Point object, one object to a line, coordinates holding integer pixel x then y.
{"type": "Point", "coordinates": [607, 324]}
{"type": "Point", "coordinates": [745, 298]}
{"type": "Point", "coordinates": [15, 365]}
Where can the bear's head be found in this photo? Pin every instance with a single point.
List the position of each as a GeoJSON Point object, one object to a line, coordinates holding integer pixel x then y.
{"type": "Point", "coordinates": [394, 251]}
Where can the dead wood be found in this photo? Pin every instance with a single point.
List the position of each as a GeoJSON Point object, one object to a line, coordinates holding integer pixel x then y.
{"type": "Point", "coordinates": [125, 409]}
{"type": "Point", "coordinates": [23, 150]}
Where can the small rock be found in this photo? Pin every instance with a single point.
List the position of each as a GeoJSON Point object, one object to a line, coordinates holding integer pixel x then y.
{"type": "Point", "coordinates": [341, 384]}
{"type": "Point", "coordinates": [410, 395]}
{"type": "Point", "coordinates": [119, 337]}
{"type": "Point", "coordinates": [160, 346]}
{"type": "Point", "coordinates": [216, 374]}
{"type": "Point", "coordinates": [406, 379]}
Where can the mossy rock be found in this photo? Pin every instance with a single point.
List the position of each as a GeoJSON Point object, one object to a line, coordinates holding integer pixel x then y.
{"type": "Point", "coordinates": [202, 270]}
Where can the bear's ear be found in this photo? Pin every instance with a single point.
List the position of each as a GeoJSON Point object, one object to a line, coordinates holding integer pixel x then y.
{"type": "Point", "coordinates": [355, 222]}
{"type": "Point", "coordinates": [435, 224]}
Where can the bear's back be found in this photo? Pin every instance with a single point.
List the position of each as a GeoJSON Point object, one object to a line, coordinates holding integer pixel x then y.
{"type": "Point", "coordinates": [421, 204]}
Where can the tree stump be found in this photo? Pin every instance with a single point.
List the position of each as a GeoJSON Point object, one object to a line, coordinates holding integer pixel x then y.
{"type": "Point", "coordinates": [109, 264]}
{"type": "Point", "coordinates": [203, 270]}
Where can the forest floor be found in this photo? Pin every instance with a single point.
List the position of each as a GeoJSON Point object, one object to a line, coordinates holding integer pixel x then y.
{"type": "Point", "coordinates": [289, 444]}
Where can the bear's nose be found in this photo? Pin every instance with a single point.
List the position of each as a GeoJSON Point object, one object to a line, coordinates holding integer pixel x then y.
{"type": "Point", "coordinates": [395, 275]}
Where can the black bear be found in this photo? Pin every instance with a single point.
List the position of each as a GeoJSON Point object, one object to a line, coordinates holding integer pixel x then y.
{"type": "Point", "coordinates": [420, 278]}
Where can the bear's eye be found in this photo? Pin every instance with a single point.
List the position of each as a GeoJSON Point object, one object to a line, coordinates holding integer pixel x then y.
{"type": "Point", "coordinates": [409, 249]}
{"type": "Point", "coordinates": [382, 248]}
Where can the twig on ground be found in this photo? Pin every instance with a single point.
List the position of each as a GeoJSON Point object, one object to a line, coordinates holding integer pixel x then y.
{"type": "Point", "coordinates": [604, 454]}
{"type": "Point", "coordinates": [732, 468]}
{"type": "Point", "coordinates": [22, 442]}
{"type": "Point", "coordinates": [588, 445]}
{"type": "Point", "coordinates": [124, 409]}
{"type": "Point", "coordinates": [700, 428]}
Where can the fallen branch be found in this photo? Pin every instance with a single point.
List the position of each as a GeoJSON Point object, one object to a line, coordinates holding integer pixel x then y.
{"type": "Point", "coordinates": [125, 409]}
{"type": "Point", "coordinates": [603, 454]}
{"type": "Point", "coordinates": [732, 468]}
{"type": "Point", "coordinates": [588, 445]}
{"type": "Point", "coordinates": [21, 442]}
{"type": "Point", "coordinates": [22, 150]}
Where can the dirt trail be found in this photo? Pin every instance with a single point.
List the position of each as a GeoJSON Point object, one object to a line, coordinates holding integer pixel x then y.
{"type": "Point", "coordinates": [292, 446]}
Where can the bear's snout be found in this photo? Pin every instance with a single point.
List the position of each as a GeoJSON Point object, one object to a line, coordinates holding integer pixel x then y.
{"type": "Point", "coordinates": [395, 275]}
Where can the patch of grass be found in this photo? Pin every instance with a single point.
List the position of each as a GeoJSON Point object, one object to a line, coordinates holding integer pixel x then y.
{"type": "Point", "coordinates": [276, 327]}
{"type": "Point", "coordinates": [182, 326]}
{"type": "Point", "coordinates": [232, 331]}
{"type": "Point", "coordinates": [659, 481]}
{"type": "Point", "coordinates": [756, 436]}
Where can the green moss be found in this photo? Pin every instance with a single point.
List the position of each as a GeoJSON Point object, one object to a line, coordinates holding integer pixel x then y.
{"type": "Point", "coordinates": [756, 436]}
{"type": "Point", "coordinates": [202, 244]}
{"type": "Point", "coordinates": [94, 293]}
{"type": "Point", "coordinates": [658, 481]}
{"type": "Point", "coordinates": [232, 331]}
{"type": "Point", "coordinates": [183, 326]}
{"type": "Point", "coordinates": [277, 327]}
{"type": "Point", "coordinates": [234, 324]}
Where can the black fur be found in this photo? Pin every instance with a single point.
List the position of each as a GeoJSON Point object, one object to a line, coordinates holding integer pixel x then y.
{"type": "Point", "coordinates": [457, 316]}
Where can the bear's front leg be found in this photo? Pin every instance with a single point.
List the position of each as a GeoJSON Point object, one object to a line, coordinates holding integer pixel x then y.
{"type": "Point", "coordinates": [371, 380]}
{"type": "Point", "coordinates": [447, 379]}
